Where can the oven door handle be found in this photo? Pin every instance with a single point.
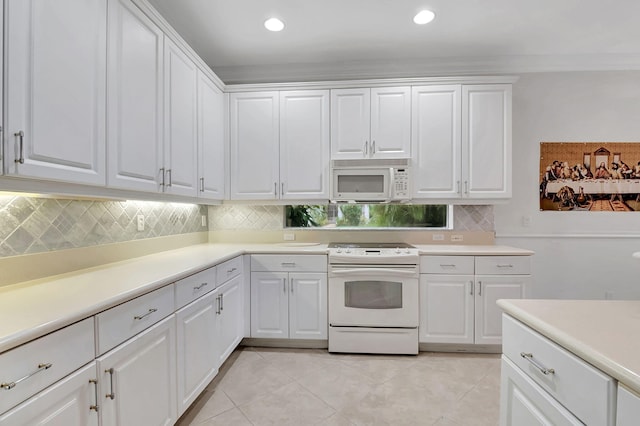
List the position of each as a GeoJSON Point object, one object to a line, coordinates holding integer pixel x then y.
{"type": "Point", "coordinates": [374, 271]}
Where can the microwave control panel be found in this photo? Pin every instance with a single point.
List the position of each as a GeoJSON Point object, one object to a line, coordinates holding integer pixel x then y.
{"type": "Point", "coordinates": [401, 184]}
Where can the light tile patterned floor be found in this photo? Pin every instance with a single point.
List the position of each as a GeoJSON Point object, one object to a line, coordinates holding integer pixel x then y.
{"type": "Point", "coordinates": [264, 386]}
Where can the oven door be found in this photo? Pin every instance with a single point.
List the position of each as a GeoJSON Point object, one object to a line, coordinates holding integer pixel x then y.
{"type": "Point", "coordinates": [373, 297]}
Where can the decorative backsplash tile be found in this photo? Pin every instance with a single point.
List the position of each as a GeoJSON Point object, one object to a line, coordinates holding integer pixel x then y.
{"type": "Point", "coordinates": [32, 225]}
{"type": "Point", "coordinates": [270, 218]}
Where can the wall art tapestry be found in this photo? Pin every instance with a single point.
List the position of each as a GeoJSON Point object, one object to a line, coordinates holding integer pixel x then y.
{"type": "Point", "coordinates": [590, 176]}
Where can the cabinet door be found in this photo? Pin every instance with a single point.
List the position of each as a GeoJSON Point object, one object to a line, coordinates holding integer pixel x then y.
{"type": "Point", "coordinates": [350, 123]}
{"type": "Point", "coordinates": [524, 403]}
{"type": "Point", "coordinates": [488, 316]}
{"type": "Point", "coordinates": [180, 132]}
{"type": "Point", "coordinates": [197, 348]}
{"type": "Point", "coordinates": [446, 308]}
{"type": "Point", "coordinates": [269, 305]}
{"type": "Point", "coordinates": [308, 306]}
{"type": "Point", "coordinates": [138, 379]}
{"type": "Point", "coordinates": [211, 159]}
{"type": "Point", "coordinates": [231, 318]}
{"type": "Point", "coordinates": [134, 111]}
{"type": "Point", "coordinates": [391, 122]}
{"type": "Point", "coordinates": [436, 141]}
{"type": "Point", "coordinates": [486, 141]}
{"type": "Point", "coordinates": [628, 407]}
{"type": "Point", "coordinates": [253, 138]}
{"type": "Point", "coordinates": [304, 144]}
{"type": "Point", "coordinates": [56, 89]}
{"type": "Point", "coordinates": [68, 402]}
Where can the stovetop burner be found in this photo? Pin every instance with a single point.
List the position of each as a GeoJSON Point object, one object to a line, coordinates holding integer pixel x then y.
{"type": "Point", "coordinates": [370, 245]}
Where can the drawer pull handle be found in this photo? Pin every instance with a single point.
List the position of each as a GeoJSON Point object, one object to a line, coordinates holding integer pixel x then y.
{"type": "Point", "coordinates": [20, 136]}
{"type": "Point", "coordinates": [221, 302]}
{"type": "Point", "coordinates": [94, 407]}
{"type": "Point", "coordinates": [232, 270]}
{"type": "Point", "coordinates": [139, 317]}
{"type": "Point", "coordinates": [505, 266]}
{"type": "Point", "coordinates": [111, 395]}
{"type": "Point", "coordinates": [11, 385]}
{"type": "Point", "coordinates": [218, 310]}
{"type": "Point", "coordinates": [290, 264]}
{"type": "Point", "coordinates": [447, 266]}
{"type": "Point", "coordinates": [198, 287]}
{"type": "Point", "coordinates": [544, 370]}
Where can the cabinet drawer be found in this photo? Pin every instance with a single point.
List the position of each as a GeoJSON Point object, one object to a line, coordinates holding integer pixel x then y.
{"type": "Point", "coordinates": [584, 390]}
{"type": "Point", "coordinates": [503, 265]}
{"type": "Point", "coordinates": [190, 288]}
{"type": "Point", "coordinates": [296, 263]}
{"type": "Point", "coordinates": [124, 321]}
{"type": "Point", "coordinates": [446, 265]}
{"type": "Point", "coordinates": [23, 372]}
{"type": "Point", "coordinates": [229, 269]}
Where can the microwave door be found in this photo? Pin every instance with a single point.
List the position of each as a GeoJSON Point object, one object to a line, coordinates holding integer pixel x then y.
{"type": "Point", "coordinates": [362, 184]}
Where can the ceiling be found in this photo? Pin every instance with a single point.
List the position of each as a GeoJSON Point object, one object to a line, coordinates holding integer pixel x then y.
{"type": "Point", "coordinates": [348, 39]}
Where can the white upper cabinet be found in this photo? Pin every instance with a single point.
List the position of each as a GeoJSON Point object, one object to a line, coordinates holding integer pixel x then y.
{"type": "Point", "coordinates": [211, 159]}
{"type": "Point", "coordinates": [180, 132]}
{"type": "Point", "coordinates": [279, 144]}
{"type": "Point", "coordinates": [436, 143]}
{"type": "Point", "coordinates": [486, 141]}
{"type": "Point", "coordinates": [135, 108]}
{"type": "Point", "coordinates": [304, 144]}
{"type": "Point", "coordinates": [461, 142]}
{"type": "Point", "coordinates": [371, 123]}
{"type": "Point", "coordinates": [253, 138]}
{"type": "Point", "coordinates": [55, 89]}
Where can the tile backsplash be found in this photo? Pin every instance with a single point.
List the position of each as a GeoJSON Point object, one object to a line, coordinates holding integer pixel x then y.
{"type": "Point", "coordinates": [270, 218]}
{"type": "Point", "coordinates": [33, 225]}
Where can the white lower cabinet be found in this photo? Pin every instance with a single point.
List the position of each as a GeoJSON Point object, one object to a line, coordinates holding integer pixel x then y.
{"type": "Point", "coordinates": [137, 380]}
{"type": "Point", "coordinates": [458, 305]}
{"type": "Point", "coordinates": [628, 407]}
{"type": "Point", "coordinates": [197, 348]}
{"type": "Point", "coordinates": [71, 401]}
{"type": "Point", "coordinates": [230, 322]}
{"type": "Point", "coordinates": [289, 305]}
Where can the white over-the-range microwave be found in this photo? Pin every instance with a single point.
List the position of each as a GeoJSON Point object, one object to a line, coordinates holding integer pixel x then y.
{"type": "Point", "coordinates": [371, 180]}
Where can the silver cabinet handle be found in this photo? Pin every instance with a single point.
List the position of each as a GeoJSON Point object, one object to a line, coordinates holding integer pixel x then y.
{"type": "Point", "coordinates": [284, 285]}
{"type": "Point", "coordinates": [544, 370]}
{"type": "Point", "coordinates": [20, 136]}
{"type": "Point", "coordinates": [198, 287]}
{"type": "Point", "coordinates": [201, 184]}
{"type": "Point", "coordinates": [504, 266]}
{"type": "Point", "coordinates": [112, 394]}
{"type": "Point", "coordinates": [288, 264]}
{"type": "Point", "coordinates": [458, 186]}
{"type": "Point", "coordinates": [466, 187]}
{"type": "Point", "coordinates": [373, 148]}
{"type": "Point", "coordinates": [366, 148]}
{"type": "Point", "coordinates": [479, 288]}
{"type": "Point", "coordinates": [149, 312]}
{"type": "Point", "coordinates": [281, 188]}
{"type": "Point", "coordinates": [169, 177]}
{"type": "Point", "coordinates": [221, 302]}
{"type": "Point", "coordinates": [291, 286]}
{"type": "Point", "coordinates": [232, 270]}
{"type": "Point", "coordinates": [218, 310]}
{"type": "Point", "coordinates": [94, 407]}
{"type": "Point", "coordinates": [450, 265]}
{"type": "Point", "coordinates": [162, 175]}
{"type": "Point", "coordinates": [470, 288]}
{"type": "Point", "coordinates": [275, 188]}
{"type": "Point", "coordinates": [11, 385]}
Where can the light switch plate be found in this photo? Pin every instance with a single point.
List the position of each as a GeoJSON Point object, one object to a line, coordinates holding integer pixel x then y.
{"type": "Point", "coordinates": [456, 238]}
{"type": "Point", "coordinates": [289, 237]}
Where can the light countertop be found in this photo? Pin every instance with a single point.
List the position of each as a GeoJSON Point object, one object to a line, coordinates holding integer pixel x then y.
{"type": "Point", "coordinates": [32, 309]}
{"type": "Point", "coordinates": [472, 250]}
{"type": "Point", "coordinates": [605, 333]}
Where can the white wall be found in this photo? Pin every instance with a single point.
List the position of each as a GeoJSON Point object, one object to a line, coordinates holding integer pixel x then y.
{"type": "Point", "coordinates": [582, 255]}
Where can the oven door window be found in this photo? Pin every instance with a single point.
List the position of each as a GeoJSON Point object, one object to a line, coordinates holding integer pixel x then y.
{"type": "Point", "coordinates": [373, 294]}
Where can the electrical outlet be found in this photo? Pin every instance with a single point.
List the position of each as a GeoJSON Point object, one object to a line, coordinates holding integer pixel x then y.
{"type": "Point", "coordinates": [456, 238]}
{"type": "Point", "coordinates": [526, 221]}
{"type": "Point", "coordinates": [140, 222]}
{"type": "Point", "coordinates": [438, 237]}
{"type": "Point", "coordinates": [289, 237]}
{"type": "Point", "coordinates": [204, 220]}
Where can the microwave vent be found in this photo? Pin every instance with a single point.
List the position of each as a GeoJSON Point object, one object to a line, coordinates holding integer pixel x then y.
{"type": "Point", "coordinates": [372, 162]}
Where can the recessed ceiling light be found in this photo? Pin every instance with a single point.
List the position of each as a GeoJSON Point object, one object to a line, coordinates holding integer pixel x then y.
{"type": "Point", "coordinates": [274, 24]}
{"type": "Point", "coordinates": [424, 17]}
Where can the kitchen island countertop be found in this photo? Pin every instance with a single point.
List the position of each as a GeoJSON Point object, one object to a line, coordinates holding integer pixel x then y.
{"type": "Point", "coordinates": [604, 333]}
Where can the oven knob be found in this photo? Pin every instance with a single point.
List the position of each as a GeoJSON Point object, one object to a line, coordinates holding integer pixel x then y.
{"type": "Point", "coordinates": [339, 250]}
{"type": "Point", "coordinates": [407, 251]}
{"type": "Point", "coordinates": [398, 250]}
{"type": "Point", "coordinates": [348, 251]}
